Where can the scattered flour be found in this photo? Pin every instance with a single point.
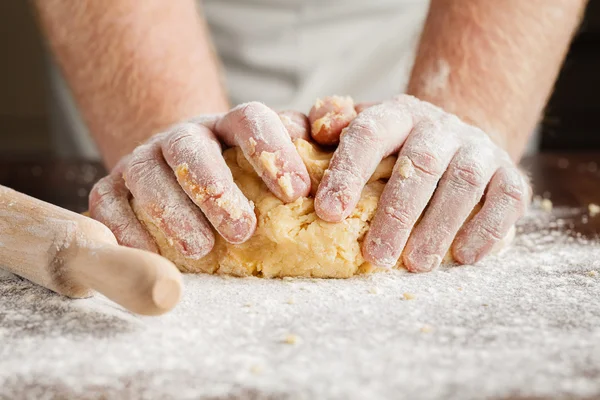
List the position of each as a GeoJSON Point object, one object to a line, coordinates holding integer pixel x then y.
{"type": "Point", "coordinates": [593, 209]}
{"type": "Point", "coordinates": [526, 324]}
{"type": "Point", "coordinates": [547, 205]}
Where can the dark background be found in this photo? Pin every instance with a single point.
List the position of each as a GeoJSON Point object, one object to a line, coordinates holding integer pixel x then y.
{"type": "Point", "coordinates": [571, 120]}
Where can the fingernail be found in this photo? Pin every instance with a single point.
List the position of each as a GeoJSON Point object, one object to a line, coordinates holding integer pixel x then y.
{"type": "Point", "coordinates": [465, 254]}
{"type": "Point", "coordinates": [419, 262]}
{"type": "Point", "coordinates": [379, 253]}
{"type": "Point", "coordinates": [195, 246]}
{"type": "Point", "coordinates": [301, 184]}
{"type": "Point", "coordinates": [331, 207]}
{"type": "Point", "coordinates": [238, 231]}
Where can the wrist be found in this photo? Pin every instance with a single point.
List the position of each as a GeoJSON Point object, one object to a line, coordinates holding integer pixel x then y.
{"type": "Point", "coordinates": [117, 137]}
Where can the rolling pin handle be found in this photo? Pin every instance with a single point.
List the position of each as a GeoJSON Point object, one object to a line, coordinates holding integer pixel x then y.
{"type": "Point", "coordinates": [140, 281]}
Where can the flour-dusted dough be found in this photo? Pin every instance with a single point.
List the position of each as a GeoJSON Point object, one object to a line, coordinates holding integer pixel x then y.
{"type": "Point", "coordinates": [290, 239]}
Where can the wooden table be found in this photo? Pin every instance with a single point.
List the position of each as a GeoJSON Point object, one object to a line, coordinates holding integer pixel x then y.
{"type": "Point", "coordinates": [568, 179]}
{"type": "Point", "coordinates": [571, 180]}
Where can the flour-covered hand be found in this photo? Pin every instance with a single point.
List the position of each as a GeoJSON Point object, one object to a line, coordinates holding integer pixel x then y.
{"type": "Point", "coordinates": [181, 181]}
{"type": "Point", "coordinates": [445, 167]}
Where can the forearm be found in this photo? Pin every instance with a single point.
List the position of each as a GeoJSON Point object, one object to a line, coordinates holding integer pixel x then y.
{"type": "Point", "coordinates": [494, 63]}
{"type": "Point", "coordinates": [134, 67]}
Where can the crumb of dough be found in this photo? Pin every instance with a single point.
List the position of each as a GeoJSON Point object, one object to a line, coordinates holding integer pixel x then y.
{"type": "Point", "coordinates": [594, 209]}
{"type": "Point", "coordinates": [592, 274]}
{"type": "Point", "coordinates": [291, 300]}
{"type": "Point", "coordinates": [427, 329]}
{"type": "Point", "coordinates": [409, 296]}
{"type": "Point", "coordinates": [248, 305]}
{"type": "Point", "coordinates": [546, 205]}
{"type": "Point", "coordinates": [252, 146]}
{"type": "Point", "coordinates": [404, 167]}
{"type": "Point", "coordinates": [268, 161]}
{"type": "Point", "coordinates": [285, 119]}
{"type": "Point", "coordinates": [291, 339]}
{"type": "Point", "coordinates": [256, 369]}
{"type": "Point", "coordinates": [373, 290]}
{"type": "Point", "coordinates": [285, 183]}
{"type": "Point", "coordinates": [318, 104]}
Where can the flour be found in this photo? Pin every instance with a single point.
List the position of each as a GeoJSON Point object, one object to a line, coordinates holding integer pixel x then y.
{"type": "Point", "coordinates": [437, 80]}
{"type": "Point", "coordinates": [525, 324]}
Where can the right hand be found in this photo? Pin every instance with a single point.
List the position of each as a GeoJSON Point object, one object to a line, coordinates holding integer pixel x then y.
{"type": "Point", "coordinates": [181, 181]}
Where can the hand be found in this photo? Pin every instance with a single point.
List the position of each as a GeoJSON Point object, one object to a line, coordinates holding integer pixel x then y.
{"type": "Point", "coordinates": [180, 179]}
{"type": "Point", "coordinates": [444, 169]}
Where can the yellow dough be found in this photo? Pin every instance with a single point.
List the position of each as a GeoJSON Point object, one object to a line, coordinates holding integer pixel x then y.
{"type": "Point", "coordinates": [290, 239]}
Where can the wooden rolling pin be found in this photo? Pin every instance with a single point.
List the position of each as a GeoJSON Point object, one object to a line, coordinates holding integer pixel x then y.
{"type": "Point", "coordinates": [73, 255]}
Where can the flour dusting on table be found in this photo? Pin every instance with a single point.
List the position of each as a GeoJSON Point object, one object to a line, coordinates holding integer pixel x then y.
{"type": "Point", "coordinates": [519, 325]}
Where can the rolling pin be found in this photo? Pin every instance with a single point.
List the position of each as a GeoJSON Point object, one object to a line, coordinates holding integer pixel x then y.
{"type": "Point", "coordinates": [74, 255]}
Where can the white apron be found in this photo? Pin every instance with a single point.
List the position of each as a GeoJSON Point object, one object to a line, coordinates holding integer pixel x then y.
{"type": "Point", "coordinates": [286, 53]}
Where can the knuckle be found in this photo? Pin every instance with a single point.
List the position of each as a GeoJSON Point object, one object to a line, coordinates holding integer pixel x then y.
{"type": "Point", "coordinates": [105, 192]}
{"type": "Point", "coordinates": [365, 131]}
{"type": "Point", "coordinates": [179, 137]}
{"type": "Point", "coordinates": [121, 229]}
{"type": "Point", "coordinates": [183, 130]}
{"type": "Point", "coordinates": [513, 191]}
{"type": "Point", "coordinates": [425, 161]}
{"type": "Point", "coordinates": [141, 168]}
{"type": "Point", "coordinates": [404, 98]}
{"type": "Point", "coordinates": [101, 188]}
{"type": "Point", "coordinates": [296, 124]}
{"type": "Point", "coordinates": [491, 232]}
{"type": "Point", "coordinates": [102, 202]}
{"type": "Point", "coordinates": [450, 121]}
{"type": "Point", "coordinates": [251, 110]}
{"type": "Point", "coordinates": [468, 174]}
{"type": "Point", "coordinates": [145, 151]}
{"type": "Point", "coordinates": [155, 140]}
{"type": "Point", "coordinates": [138, 167]}
{"type": "Point", "coordinates": [402, 217]}
{"type": "Point", "coordinates": [514, 186]}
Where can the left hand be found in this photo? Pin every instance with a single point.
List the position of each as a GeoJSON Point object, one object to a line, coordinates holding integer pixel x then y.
{"type": "Point", "coordinates": [444, 169]}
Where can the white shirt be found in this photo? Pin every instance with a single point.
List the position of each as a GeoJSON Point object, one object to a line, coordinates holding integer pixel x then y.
{"type": "Point", "coordinates": [286, 53]}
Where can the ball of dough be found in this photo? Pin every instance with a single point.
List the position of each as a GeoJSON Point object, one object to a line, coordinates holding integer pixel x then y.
{"type": "Point", "coordinates": [290, 240]}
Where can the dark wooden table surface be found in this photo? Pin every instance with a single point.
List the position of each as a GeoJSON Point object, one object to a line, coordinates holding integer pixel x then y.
{"type": "Point", "coordinates": [568, 179]}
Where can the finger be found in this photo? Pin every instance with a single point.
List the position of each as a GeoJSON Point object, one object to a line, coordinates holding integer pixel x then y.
{"type": "Point", "coordinates": [421, 163]}
{"type": "Point", "coordinates": [458, 192]}
{"type": "Point", "coordinates": [194, 154]}
{"type": "Point", "coordinates": [329, 116]}
{"type": "Point", "coordinates": [265, 142]}
{"type": "Point", "coordinates": [505, 202]}
{"type": "Point", "coordinates": [372, 135]}
{"type": "Point", "coordinates": [296, 124]}
{"type": "Point", "coordinates": [360, 107]}
{"type": "Point", "coordinates": [158, 194]}
{"type": "Point", "coordinates": [109, 204]}
{"type": "Point", "coordinates": [207, 120]}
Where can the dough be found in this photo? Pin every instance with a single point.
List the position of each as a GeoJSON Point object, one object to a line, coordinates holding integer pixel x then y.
{"type": "Point", "coordinates": [290, 239]}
